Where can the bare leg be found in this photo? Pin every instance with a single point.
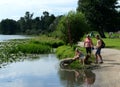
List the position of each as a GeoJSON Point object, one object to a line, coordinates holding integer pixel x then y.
{"type": "Point", "coordinates": [100, 58]}
{"type": "Point", "coordinates": [96, 56]}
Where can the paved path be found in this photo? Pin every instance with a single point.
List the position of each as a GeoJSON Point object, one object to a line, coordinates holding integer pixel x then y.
{"type": "Point", "coordinates": [111, 57]}
{"type": "Point", "coordinates": [108, 75]}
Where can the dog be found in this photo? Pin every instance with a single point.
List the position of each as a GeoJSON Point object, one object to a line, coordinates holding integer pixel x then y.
{"type": "Point", "coordinates": [68, 61]}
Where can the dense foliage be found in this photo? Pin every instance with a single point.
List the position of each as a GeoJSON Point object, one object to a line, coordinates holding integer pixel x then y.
{"type": "Point", "coordinates": [72, 27]}
{"type": "Point", "coordinates": [9, 26]}
{"type": "Point", "coordinates": [27, 24]}
{"type": "Point", "coordinates": [102, 15]}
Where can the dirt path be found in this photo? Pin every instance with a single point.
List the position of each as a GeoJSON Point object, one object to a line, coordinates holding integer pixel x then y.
{"type": "Point", "coordinates": [108, 75]}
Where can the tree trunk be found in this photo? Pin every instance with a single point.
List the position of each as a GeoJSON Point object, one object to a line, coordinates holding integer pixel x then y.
{"type": "Point", "coordinates": [101, 32]}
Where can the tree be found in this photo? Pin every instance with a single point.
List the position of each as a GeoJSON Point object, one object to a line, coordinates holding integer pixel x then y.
{"type": "Point", "coordinates": [46, 20]}
{"type": "Point", "coordinates": [72, 27]}
{"type": "Point", "coordinates": [26, 22]}
{"type": "Point", "coordinates": [9, 26]}
{"type": "Point", "coordinates": [100, 14]}
{"type": "Point", "coordinates": [22, 25]}
{"type": "Point", "coordinates": [28, 25]}
{"type": "Point", "coordinates": [54, 24]}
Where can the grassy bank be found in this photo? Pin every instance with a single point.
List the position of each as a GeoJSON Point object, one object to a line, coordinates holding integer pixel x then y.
{"type": "Point", "coordinates": [67, 51]}
{"type": "Point", "coordinates": [35, 45]}
{"type": "Point", "coordinates": [16, 50]}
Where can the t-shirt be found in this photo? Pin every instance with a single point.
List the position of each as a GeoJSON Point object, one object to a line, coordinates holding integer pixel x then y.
{"type": "Point", "coordinates": [99, 43]}
{"type": "Point", "coordinates": [88, 42]}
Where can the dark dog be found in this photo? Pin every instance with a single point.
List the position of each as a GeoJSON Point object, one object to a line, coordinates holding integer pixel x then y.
{"type": "Point", "coordinates": [86, 59]}
{"type": "Point", "coordinates": [68, 61]}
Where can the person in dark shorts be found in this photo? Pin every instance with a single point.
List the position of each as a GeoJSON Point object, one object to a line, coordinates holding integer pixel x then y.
{"type": "Point", "coordinates": [88, 44]}
{"type": "Point", "coordinates": [98, 49]}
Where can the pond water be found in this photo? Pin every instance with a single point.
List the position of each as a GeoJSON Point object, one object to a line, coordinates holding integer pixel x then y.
{"type": "Point", "coordinates": [41, 72]}
{"type": "Point", "coordinates": [9, 37]}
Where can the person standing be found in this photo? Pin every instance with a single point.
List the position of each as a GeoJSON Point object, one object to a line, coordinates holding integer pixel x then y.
{"type": "Point", "coordinates": [88, 44]}
{"type": "Point", "coordinates": [98, 49]}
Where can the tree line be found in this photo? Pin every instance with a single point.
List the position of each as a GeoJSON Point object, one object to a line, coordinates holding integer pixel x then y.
{"type": "Point", "coordinates": [27, 24]}
{"type": "Point", "coordinates": [100, 15]}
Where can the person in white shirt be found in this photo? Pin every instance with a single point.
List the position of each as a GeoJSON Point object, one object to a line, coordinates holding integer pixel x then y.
{"type": "Point", "coordinates": [98, 49]}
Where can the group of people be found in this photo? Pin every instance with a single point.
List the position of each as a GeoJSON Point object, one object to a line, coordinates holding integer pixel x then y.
{"type": "Point", "coordinates": [89, 46]}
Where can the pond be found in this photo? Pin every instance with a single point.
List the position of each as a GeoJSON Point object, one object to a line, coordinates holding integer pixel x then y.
{"type": "Point", "coordinates": [42, 72]}
{"type": "Point", "coordinates": [9, 37]}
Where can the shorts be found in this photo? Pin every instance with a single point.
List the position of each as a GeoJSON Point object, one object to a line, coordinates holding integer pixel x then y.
{"type": "Point", "coordinates": [98, 51]}
{"type": "Point", "coordinates": [82, 56]}
{"type": "Point", "coordinates": [88, 50]}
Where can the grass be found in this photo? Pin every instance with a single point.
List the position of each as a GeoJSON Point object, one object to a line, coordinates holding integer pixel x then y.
{"type": "Point", "coordinates": [67, 51]}
{"type": "Point", "coordinates": [110, 43]}
{"type": "Point", "coordinates": [51, 41]}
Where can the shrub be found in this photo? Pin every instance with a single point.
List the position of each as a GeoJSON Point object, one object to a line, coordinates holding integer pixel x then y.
{"type": "Point", "coordinates": [72, 27]}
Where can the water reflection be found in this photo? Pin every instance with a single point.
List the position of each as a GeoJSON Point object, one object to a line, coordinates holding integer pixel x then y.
{"type": "Point", "coordinates": [75, 78]}
{"type": "Point", "coordinates": [43, 71]}
{"type": "Point", "coordinates": [38, 73]}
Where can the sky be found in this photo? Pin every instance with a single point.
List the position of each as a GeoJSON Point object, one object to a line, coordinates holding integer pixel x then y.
{"type": "Point", "coordinates": [14, 9]}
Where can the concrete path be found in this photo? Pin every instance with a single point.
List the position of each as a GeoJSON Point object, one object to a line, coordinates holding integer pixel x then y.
{"type": "Point", "coordinates": [108, 75]}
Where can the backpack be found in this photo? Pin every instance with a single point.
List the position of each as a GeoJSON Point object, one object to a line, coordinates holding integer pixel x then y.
{"type": "Point", "coordinates": [103, 44]}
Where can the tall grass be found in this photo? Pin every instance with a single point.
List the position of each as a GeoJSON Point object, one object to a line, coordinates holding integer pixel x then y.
{"type": "Point", "coordinates": [37, 45]}
{"type": "Point", "coordinates": [51, 41]}
{"type": "Point", "coordinates": [64, 52]}
{"type": "Point", "coordinates": [13, 50]}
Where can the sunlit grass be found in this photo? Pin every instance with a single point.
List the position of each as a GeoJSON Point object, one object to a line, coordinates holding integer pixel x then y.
{"type": "Point", "coordinates": [110, 43]}
{"type": "Point", "coordinates": [113, 42]}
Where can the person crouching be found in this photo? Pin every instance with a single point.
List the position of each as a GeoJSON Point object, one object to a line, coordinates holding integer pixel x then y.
{"type": "Point", "coordinates": [78, 56]}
